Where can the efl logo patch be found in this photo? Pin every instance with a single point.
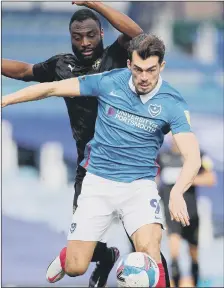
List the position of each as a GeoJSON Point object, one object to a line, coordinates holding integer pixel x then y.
{"type": "Point", "coordinates": [154, 110]}
{"type": "Point", "coordinates": [187, 114]}
{"type": "Point", "coordinates": [96, 64]}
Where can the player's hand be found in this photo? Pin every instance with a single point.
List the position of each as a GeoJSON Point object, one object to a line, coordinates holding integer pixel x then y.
{"type": "Point", "coordinates": [178, 209]}
{"type": "Point", "coordinates": [88, 4]}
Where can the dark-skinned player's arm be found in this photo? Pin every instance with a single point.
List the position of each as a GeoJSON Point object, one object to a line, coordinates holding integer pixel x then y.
{"type": "Point", "coordinates": [118, 20]}
{"type": "Point", "coordinates": [64, 88]}
{"type": "Point", "coordinates": [17, 70]}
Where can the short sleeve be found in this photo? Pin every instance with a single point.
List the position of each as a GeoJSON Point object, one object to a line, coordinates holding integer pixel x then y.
{"type": "Point", "coordinates": [180, 118]}
{"type": "Point", "coordinates": [90, 84]}
{"type": "Point", "coordinates": [114, 56]}
{"type": "Point", "coordinates": [119, 54]}
{"type": "Point", "coordinates": [45, 71]}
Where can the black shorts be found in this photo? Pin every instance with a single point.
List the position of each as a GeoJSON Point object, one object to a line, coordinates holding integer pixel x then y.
{"type": "Point", "coordinates": [189, 233]}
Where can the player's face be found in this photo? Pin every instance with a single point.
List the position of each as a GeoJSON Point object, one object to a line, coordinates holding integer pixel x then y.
{"type": "Point", "coordinates": [145, 73]}
{"type": "Point", "coordinates": [87, 40]}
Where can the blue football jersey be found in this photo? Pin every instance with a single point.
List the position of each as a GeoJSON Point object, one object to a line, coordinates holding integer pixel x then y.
{"type": "Point", "coordinates": [128, 132]}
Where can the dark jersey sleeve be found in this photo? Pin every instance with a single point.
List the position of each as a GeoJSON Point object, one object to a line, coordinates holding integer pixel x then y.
{"type": "Point", "coordinates": [116, 47]}
{"type": "Point", "coordinates": [118, 56]}
{"type": "Point", "coordinates": [45, 71]}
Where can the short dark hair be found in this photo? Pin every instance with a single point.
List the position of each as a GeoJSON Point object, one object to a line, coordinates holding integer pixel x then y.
{"type": "Point", "coordinates": [82, 15]}
{"type": "Point", "coordinates": [147, 45]}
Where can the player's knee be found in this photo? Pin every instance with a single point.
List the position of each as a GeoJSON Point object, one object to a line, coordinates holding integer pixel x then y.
{"type": "Point", "coordinates": [194, 253]}
{"type": "Point", "coordinates": [75, 267]}
{"type": "Point", "coordinates": [150, 245]}
{"type": "Point", "coordinates": [152, 248]}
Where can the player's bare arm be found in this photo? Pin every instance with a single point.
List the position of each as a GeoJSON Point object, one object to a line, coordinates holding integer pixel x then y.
{"type": "Point", "coordinates": [118, 20]}
{"type": "Point", "coordinates": [189, 149]}
{"type": "Point", "coordinates": [17, 70]}
{"type": "Point", "coordinates": [64, 88]}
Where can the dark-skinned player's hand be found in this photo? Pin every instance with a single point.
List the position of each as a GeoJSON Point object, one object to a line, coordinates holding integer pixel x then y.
{"type": "Point", "coordinates": [88, 4]}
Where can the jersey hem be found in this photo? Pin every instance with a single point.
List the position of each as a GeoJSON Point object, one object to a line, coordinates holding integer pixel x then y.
{"type": "Point", "coordinates": [116, 179]}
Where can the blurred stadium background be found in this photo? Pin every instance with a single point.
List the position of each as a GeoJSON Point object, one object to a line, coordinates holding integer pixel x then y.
{"type": "Point", "coordinates": [38, 152]}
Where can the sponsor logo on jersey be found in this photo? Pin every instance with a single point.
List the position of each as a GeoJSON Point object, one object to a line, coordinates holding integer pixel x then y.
{"type": "Point", "coordinates": [154, 110]}
{"type": "Point", "coordinates": [131, 119]}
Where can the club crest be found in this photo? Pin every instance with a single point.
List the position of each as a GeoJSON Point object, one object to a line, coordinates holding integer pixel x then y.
{"type": "Point", "coordinates": [96, 64]}
{"type": "Point", "coordinates": [154, 110]}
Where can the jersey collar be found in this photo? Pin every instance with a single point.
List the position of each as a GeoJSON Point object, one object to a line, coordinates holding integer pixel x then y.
{"type": "Point", "coordinates": [145, 98]}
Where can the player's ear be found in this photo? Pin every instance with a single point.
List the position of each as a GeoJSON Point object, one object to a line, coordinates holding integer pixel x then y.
{"type": "Point", "coordinates": [162, 66]}
{"type": "Point", "coordinates": [102, 33]}
{"type": "Point", "coordinates": [129, 64]}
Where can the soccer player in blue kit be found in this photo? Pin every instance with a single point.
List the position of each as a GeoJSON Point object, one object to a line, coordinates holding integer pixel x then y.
{"type": "Point", "coordinates": [136, 109]}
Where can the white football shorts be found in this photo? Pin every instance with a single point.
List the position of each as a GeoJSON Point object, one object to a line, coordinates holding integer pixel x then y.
{"type": "Point", "coordinates": [137, 203]}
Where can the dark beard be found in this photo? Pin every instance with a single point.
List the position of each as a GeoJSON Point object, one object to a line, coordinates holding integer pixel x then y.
{"type": "Point", "coordinates": [97, 53]}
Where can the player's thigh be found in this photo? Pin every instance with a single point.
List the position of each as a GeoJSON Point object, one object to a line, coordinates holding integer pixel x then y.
{"type": "Point", "coordinates": [93, 214]}
{"type": "Point", "coordinates": [86, 230]}
{"type": "Point", "coordinates": [147, 239]}
{"type": "Point", "coordinates": [143, 219]}
{"type": "Point", "coordinates": [110, 233]}
{"type": "Point", "coordinates": [146, 236]}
